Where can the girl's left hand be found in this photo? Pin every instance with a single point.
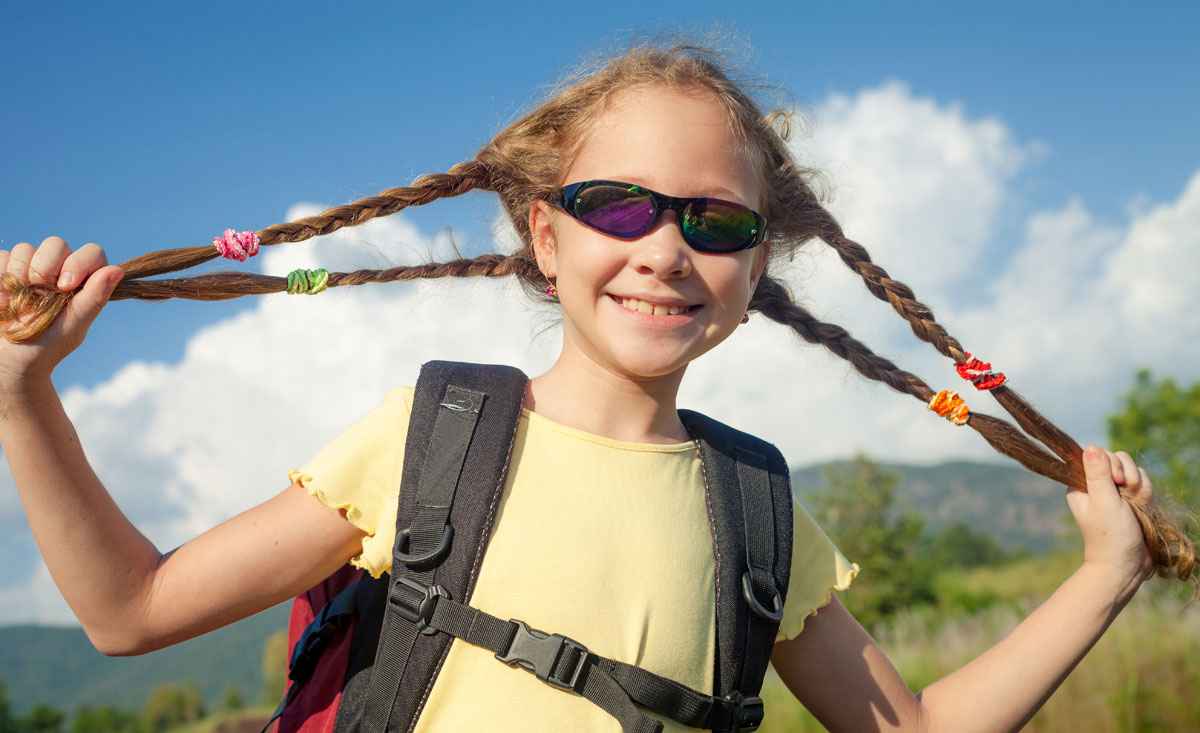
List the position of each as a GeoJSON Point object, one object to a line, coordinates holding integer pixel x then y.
{"type": "Point", "coordinates": [1111, 534]}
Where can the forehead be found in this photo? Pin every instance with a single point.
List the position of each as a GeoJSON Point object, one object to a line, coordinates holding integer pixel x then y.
{"type": "Point", "coordinates": [679, 142]}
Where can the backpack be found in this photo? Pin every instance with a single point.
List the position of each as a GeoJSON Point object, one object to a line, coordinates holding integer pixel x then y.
{"type": "Point", "coordinates": [367, 651]}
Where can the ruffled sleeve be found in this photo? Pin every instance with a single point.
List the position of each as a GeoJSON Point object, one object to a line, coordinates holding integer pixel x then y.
{"type": "Point", "coordinates": [818, 569]}
{"type": "Point", "coordinates": [359, 472]}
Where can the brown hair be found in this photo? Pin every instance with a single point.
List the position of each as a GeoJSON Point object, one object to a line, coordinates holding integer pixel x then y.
{"type": "Point", "coordinates": [523, 164]}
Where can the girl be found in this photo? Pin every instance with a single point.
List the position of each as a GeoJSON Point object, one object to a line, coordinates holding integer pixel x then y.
{"type": "Point", "coordinates": [651, 197]}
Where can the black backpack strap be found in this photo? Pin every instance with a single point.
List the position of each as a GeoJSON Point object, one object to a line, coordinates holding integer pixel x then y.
{"type": "Point", "coordinates": [460, 437]}
{"type": "Point", "coordinates": [750, 497]}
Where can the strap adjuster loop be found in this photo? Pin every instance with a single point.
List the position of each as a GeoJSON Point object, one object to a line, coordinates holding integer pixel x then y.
{"type": "Point", "coordinates": [540, 653]}
{"type": "Point", "coordinates": [416, 610]}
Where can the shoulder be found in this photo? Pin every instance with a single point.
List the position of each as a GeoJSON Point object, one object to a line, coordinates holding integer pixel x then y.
{"type": "Point", "coordinates": [727, 439]}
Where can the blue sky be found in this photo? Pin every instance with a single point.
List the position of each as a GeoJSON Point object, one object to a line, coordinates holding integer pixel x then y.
{"type": "Point", "coordinates": [1032, 169]}
{"type": "Point", "coordinates": [148, 125]}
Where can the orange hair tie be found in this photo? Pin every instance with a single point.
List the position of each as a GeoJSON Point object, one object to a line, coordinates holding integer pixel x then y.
{"type": "Point", "coordinates": [949, 405]}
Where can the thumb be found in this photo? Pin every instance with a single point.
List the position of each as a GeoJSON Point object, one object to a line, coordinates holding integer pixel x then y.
{"type": "Point", "coordinates": [91, 297]}
{"type": "Point", "coordinates": [1101, 487]}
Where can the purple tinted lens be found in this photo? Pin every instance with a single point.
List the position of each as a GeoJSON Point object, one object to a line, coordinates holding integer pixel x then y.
{"type": "Point", "coordinates": [616, 210]}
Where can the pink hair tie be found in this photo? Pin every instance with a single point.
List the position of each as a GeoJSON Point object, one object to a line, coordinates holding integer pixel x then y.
{"type": "Point", "coordinates": [239, 246]}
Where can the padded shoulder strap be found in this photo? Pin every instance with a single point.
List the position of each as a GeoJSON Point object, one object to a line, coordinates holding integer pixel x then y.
{"type": "Point", "coordinates": [461, 431]}
{"type": "Point", "coordinates": [749, 495]}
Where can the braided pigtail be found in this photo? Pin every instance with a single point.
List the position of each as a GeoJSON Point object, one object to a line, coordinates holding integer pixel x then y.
{"type": "Point", "coordinates": [229, 285]}
{"type": "Point", "coordinates": [32, 308]}
{"type": "Point", "coordinates": [1172, 551]}
{"type": "Point", "coordinates": [774, 301]}
{"type": "Point", "coordinates": [920, 318]}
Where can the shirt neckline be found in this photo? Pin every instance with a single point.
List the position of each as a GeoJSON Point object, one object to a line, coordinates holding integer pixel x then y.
{"type": "Point", "coordinates": [544, 422]}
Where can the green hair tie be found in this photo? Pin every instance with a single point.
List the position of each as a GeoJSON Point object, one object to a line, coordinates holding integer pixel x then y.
{"type": "Point", "coordinates": [308, 282]}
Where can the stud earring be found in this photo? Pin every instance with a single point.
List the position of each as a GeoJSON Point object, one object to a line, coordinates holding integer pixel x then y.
{"type": "Point", "coordinates": [745, 318]}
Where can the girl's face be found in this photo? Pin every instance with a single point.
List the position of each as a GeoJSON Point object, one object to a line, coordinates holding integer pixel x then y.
{"type": "Point", "coordinates": [614, 292]}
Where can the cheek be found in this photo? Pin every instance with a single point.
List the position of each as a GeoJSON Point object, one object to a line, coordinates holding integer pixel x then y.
{"type": "Point", "coordinates": [737, 274]}
{"type": "Point", "coordinates": [588, 259]}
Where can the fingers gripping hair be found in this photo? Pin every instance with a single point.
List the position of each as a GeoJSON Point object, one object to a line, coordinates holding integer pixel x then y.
{"type": "Point", "coordinates": [30, 310]}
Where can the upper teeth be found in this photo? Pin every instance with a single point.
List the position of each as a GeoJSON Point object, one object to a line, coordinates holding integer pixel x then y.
{"type": "Point", "coordinates": [642, 306]}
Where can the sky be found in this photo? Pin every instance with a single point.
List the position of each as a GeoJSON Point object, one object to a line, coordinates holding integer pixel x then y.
{"type": "Point", "coordinates": [1031, 170]}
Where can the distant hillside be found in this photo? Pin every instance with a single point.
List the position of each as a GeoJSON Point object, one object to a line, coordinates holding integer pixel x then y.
{"type": "Point", "coordinates": [1020, 509]}
{"type": "Point", "coordinates": [60, 667]}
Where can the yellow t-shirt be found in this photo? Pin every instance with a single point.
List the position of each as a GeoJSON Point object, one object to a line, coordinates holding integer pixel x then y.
{"type": "Point", "coordinates": [600, 540]}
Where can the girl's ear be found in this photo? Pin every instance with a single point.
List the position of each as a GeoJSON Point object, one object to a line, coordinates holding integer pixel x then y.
{"type": "Point", "coordinates": [541, 234]}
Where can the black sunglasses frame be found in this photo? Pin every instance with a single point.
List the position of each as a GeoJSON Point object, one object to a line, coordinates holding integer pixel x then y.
{"type": "Point", "coordinates": [662, 202]}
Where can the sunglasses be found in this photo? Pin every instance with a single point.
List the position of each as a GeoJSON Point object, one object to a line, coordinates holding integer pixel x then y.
{"type": "Point", "coordinates": [627, 211]}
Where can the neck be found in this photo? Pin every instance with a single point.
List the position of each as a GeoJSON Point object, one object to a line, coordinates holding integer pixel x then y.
{"type": "Point", "coordinates": [581, 394]}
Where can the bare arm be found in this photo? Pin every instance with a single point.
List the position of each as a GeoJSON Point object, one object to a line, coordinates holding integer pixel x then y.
{"type": "Point", "coordinates": [838, 672]}
{"type": "Point", "coordinates": [129, 597]}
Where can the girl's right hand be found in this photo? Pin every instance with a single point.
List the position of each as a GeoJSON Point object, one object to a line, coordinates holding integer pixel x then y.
{"type": "Point", "coordinates": [84, 273]}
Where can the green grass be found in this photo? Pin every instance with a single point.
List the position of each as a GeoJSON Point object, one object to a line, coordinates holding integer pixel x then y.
{"type": "Point", "coordinates": [1141, 676]}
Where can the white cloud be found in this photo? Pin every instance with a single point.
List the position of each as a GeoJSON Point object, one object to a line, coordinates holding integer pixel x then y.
{"type": "Point", "coordinates": [915, 181]}
{"type": "Point", "coordinates": [1070, 314]}
{"type": "Point", "coordinates": [35, 599]}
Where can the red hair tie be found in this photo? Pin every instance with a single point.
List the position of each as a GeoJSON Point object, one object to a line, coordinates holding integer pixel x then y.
{"type": "Point", "coordinates": [979, 373]}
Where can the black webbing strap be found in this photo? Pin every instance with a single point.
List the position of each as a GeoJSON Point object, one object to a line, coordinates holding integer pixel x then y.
{"type": "Point", "coordinates": [749, 494]}
{"type": "Point", "coordinates": [758, 582]}
{"type": "Point", "coordinates": [341, 609]}
{"type": "Point", "coordinates": [420, 547]}
{"type": "Point", "coordinates": [565, 663]}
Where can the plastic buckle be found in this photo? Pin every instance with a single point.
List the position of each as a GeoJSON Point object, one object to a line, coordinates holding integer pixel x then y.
{"type": "Point", "coordinates": [539, 652]}
{"type": "Point", "coordinates": [308, 649]}
{"type": "Point", "coordinates": [420, 610]}
{"type": "Point", "coordinates": [425, 560]}
{"type": "Point", "coordinates": [748, 712]}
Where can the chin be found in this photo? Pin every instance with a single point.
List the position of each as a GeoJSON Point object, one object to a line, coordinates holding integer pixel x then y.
{"type": "Point", "coordinates": [649, 366]}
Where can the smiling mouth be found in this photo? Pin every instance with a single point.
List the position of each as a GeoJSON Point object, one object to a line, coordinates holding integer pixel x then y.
{"type": "Point", "coordinates": [653, 309]}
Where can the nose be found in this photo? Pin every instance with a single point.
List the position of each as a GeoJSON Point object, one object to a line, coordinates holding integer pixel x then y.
{"type": "Point", "coordinates": [661, 252]}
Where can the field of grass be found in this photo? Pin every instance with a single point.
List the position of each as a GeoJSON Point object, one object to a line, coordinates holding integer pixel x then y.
{"type": "Point", "coordinates": [1143, 675]}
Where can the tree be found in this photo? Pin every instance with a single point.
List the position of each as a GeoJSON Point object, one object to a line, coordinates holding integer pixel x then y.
{"type": "Point", "coordinates": [858, 511]}
{"type": "Point", "coordinates": [170, 705]}
{"type": "Point", "coordinates": [41, 718]}
{"type": "Point", "coordinates": [7, 725]}
{"type": "Point", "coordinates": [232, 700]}
{"type": "Point", "coordinates": [959, 546]}
{"type": "Point", "coordinates": [105, 719]}
{"type": "Point", "coordinates": [1159, 425]}
{"type": "Point", "coordinates": [275, 667]}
